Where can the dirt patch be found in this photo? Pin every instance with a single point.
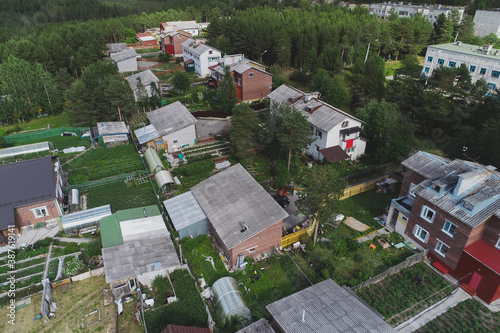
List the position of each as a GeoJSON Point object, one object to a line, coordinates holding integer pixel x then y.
{"type": "Point", "coordinates": [356, 225]}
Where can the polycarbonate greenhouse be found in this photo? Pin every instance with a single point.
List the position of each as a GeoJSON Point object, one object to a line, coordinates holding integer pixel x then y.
{"type": "Point", "coordinates": [153, 161]}
{"type": "Point", "coordinates": [25, 149]}
{"type": "Point", "coordinates": [164, 178]}
{"type": "Point", "coordinates": [228, 298]}
{"type": "Point", "coordinates": [85, 218]}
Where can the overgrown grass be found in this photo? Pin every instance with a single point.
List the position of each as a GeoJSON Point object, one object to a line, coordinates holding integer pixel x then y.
{"type": "Point", "coordinates": [61, 120]}
{"type": "Point", "coordinates": [150, 50]}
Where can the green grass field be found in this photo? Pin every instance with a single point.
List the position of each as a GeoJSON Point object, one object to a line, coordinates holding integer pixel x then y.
{"type": "Point", "coordinates": [61, 120]}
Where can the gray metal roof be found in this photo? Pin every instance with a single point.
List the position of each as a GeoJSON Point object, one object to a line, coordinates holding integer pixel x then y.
{"type": "Point", "coordinates": [116, 47]}
{"type": "Point", "coordinates": [260, 326]}
{"type": "Point", "coordinates": [24, 183]}
{"type": "Point", "coordinates": [112, 127]}
{"type": "Point", "coordinates": [197, 48]}
{"type": "Point", "coordinates": [232, 197]}
{"type": "Point", "coordinates": [324, 116]}
{"type": "Point", "coordinates": [424, 163]}
{"type": "Point", "coordinates": [146, 134]}
{"type": "Point", "coordinates": [238, 64]}
{"type": "Point", "coordinates": [473, 50]}
{"type": "Point", "coordinates": [171, 118]}
{"type": "Point", "coordinates": [123, 55]}
{"type": "Point", "coordinates": [147, 77]}
{"type": "Point", "coordinates": [146, 247]}
{"type": "Point", "coordinates": [329, 308]}
{"type": "Point", "coordinates": [184, 210]}
{"type": "Point", "coordinates": [180, 25]}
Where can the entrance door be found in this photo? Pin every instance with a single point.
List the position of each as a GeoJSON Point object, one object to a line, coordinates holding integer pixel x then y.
{"type": "Point", "coordinates": [474, 281]}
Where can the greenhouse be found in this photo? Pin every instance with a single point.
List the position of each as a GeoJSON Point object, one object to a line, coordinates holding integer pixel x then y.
{"type": "Point", "coordinates": [153, 161]}
{"type": "Point", "coordinates": [84, 219]}
{"type": "Point", "coordinates": [188, 217]}
{"type": "Point", "coordinates": [164, 180]}
{"type": "Point", "coordinates": [25, 149]}
{"type": "Point", "coordinates": [228, 298]}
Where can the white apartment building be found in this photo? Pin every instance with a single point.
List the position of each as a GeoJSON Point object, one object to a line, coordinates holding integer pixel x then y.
{"type": "Point", "coordinates": [431, 12]}
{"type": "Point", "coordinates": [482, 61]}
{"type": "Point", "coordinates": [201, 55]}
{"type": "Point", "coordinates": [487, 22]}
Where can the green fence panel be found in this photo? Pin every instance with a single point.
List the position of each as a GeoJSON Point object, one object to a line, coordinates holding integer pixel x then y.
{"type": "Point", "coordinates": [35, 135]}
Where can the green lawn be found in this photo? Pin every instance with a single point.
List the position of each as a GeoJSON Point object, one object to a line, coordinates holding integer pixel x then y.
{"type": "Point", "coordinates": [391, 66]}
{"type": "Point", "coordinates": [150, 50]}
{"type": "Point", "coordinates": [61, 120]}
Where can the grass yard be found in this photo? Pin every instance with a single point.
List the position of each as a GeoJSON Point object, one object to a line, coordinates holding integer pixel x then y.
{"type": "Point", "coordinates": [60, 142]}
{"type": "Point", "coordinates": [103, 162]}
{"type": "Point", "coordinates": [398, 297]}
{"type": "Point", "coordinates": [73, 302]}
{"type": "Point", "coordinates": [150, 50]}
{"type": "Point", "coordinates": [469, 316]}
{"type": "Point", "coordinates": [126, 319]}
{"type": "Point", "coordinates": [61, 120]}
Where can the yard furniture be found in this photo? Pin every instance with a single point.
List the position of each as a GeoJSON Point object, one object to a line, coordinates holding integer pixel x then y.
{"type": "Point", "coordinates": [399, 245]}
{"type": "Point", "coordinates": [373, 247]}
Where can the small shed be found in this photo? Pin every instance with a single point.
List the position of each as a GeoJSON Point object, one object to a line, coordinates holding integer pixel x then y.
{"type": "Point", "coordinates": [188, 217]}
{"type": "Point", "coordinates": [147, 135]}
{"type": "Point", "coordinates": [153, 161]}
{"type": "Point", "coordinates": [110, 133]}
{"type": "Point", "coordinates": [163, 179]}
{"type": "Point", "coordinates": [228, 298]}
{"type": "Point", "coordinates": [84, 219]}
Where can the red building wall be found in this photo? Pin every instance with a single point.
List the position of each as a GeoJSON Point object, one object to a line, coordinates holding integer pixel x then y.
{"type": "Point", "coordinates": [256, 87]}
{"type": "Point", "coordinates": [176, 41]}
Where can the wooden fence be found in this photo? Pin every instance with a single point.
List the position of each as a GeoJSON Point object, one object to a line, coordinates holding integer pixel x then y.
{"type": "Point", "coordinates": [361, 187]}
{"type": "Point", "coordinates": [298, 235]}
{"type": "Point", "coordinates": [393, 270]}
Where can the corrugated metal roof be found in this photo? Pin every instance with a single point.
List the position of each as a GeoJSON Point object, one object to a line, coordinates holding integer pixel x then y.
{"type": "Point", "coordinates": [424, 163]}
{"type": "Point", "coordinates": [232, 197]}
{"type": "Point", "coordinates": [123, 55]}
{"type": "Point", "coordinates": [112, 127]}
{"type": "Point", "coordinates": [184, 210]}
{"type": "Point", "coordinates": [147, 77]}
{"type": "Point", "coordinates": [260, 326]}
{"type": "Point", "coordinates": [486, 254]}
{"type": "Point", "coordinates": [328, 308]}
{"type": "Point", "coordinates": [197, 48]}
{"type": "Point", "coordinates": [85, 216]}
{"type": "Point", "coordinates": [171, 118]}
{"type": "Point", "coordinates": [116, 47]}
{"type": "Point", "coordinates": [146, 134]}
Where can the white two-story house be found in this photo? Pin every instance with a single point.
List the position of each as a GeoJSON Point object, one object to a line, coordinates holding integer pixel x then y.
{"type": "Point", "coordinates": [337, 132]}
{"type": "Point", "coordinates": [198, 56]}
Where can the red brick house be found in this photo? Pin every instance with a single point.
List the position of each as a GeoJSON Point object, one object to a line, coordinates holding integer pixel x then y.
{"type": "Point", "coordinates": [171, 42]}
{"type": "Point", "coordinates": [243, 218]}
{"type": "Point", "coordinates": [31, 193]}
{"type": "Point", "coordinates": [146, 39]}
{"type": "Point", "coordinates": [452, 208]}
{"type": "Point", "coordinates": [251, 78]}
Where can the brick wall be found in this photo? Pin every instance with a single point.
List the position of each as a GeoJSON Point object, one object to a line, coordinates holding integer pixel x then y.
{"type": "Point", "coordinates": [256, 87]}
{"type": "Point", "coordinates": [24, 215]}
{"type": "Point", "coordinates": [492, 230]}
{"type": "Point", "coordinates": [410, 177]}
{"type": "Point", "coordinates": [176, 42]}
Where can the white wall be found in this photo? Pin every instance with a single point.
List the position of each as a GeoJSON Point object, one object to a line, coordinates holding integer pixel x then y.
{"type": "Point", "coordinates": [149, 91]}
{"type": "Point", "coordinates": [128, 65]}
{"type": "Point", "coordinates": [486, 22]}
{"type": "Point", "coordinates": [201, 62]}
{"type": "Point", "coordinates": [187, 135]}
{"type": "Point", "coordinates": [406, 10]}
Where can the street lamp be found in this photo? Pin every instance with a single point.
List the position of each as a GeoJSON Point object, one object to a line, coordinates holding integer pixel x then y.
{"type": "Point", "coordinates": [368, 50]}
{"type": "Point", "coordinates": [262, 55]}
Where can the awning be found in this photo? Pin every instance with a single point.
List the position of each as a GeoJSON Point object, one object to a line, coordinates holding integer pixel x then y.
{"type": "Point", "coordinates": [351, 130]}
{"type": "Point", "coordinates": [485, 253]}
{"type": "Point", "coordinates": [334, 154]}
{"type": "Point", "coordinates": [189, 61]}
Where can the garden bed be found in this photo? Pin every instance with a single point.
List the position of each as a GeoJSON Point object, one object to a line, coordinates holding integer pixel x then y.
{"type": "Point", "coordinates": [399, 297]}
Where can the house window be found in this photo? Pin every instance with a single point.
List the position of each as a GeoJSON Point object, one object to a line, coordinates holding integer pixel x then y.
{"type": "Point", "coordinates": [319, 134]}
{"type": "Point", "coordinates": [449, 228]}
{"type": "Point", "coordinates": [497, 245]}
{"type": "Point", "coordinates": [251, 250]}
{"type": "Point", "coordinates": [452, 64]}
{"type": "Point", "coordinates": [421, 233]}
{"type": "Point", "coordinates": [427, 214]}
{"type": "Point", "coordinates": [40, 212]}
{"type": "Point", "coordinates": [412, 186]}
{"type": "Point", "coordinates": [436, 188]}
{"type": "Point", "coordinates": [250, 75]}
{"type": "Point", "coordinates": [345, 123]}
{"type": "Point", "coordinates": [468, 205]}
{"type": "Point", "coordinates": [441, 61]}
{"type": "Point", "coordinates": [427, 69]}
{"type": "Point", "coordinates": [495, 73]}
{"type": "Point", "coordinates": [210, 52]}
{"type": "Point", "coordinates": [441, 248]}
{"type": "Point", "coordinates": [317, 148]}
{"type": "Point", "coordinates": [404, 218]}
{"type": "Point", "coordinates": [312, 128]}
{"type": "Point", "coordinates": [429, 59]}
{"type": "Point", "coordinates": [491, 86]}
{"type": "Point", "coordinates": [483, 71]}
{"type": "Point", "coordinates": [350, 150]}
{"type": "Point", "coordinates": [472, 69]}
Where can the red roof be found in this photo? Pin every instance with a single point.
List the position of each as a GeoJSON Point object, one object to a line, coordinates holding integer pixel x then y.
{"type": "Point", "coordinates": [212, 67]}
{"type": "Point", "coordinates": [486, 253]}
{"type": "Point", "coordinates": [143, 34]}
{"type": "Point", "coordinates": [184, 329]}
{"type": "Point", "coordinates": [334, 154]}
{"type": "Point", "coordinates": [189, 61]}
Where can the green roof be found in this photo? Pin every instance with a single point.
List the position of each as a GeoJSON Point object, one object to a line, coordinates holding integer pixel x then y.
{"type": "Point", "coordinates": [111, 233]}
{"type": "Point", "coordinates": [467, 49]}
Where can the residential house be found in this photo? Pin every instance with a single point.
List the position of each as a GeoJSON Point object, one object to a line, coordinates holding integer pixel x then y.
{"type": "Point", "coordinates": [173, 123]}
{"type": "Point", "coordinates": [430, 12]}
{"type": "Point", "coordinates": [109, 134]}
{"type": "Point", "coordinates": [260, 326]}
{"type": "Point", "coordinates": [337, 133]}
{"type": "Point", "coordinates": [148, 80]}
{"type": "Point", "coordinates": [487, 22]}
{"type": "Point", "coordinates": [116, 47]}
{"type": "Point", "coordinates": [243, 218]}
{"type": "Point", "coordinates": [171, 42]}
{"type": "Point", "coordinates": [126, 60]}
{"type": "Point", "coordinates": [325, 307]}
{"type": "Point", "coordinates": [452, 208]}
{"type": "Point", "coordinates": [146, 39]}
{"type": "Point", "coordinates": [31, 194]}
{"type": "Point", "coordinates": [198, 56]}
{"type": "Point", "coordinates": [482, 62]}
{"type": "Point", "coordinates": [251, 78]}
{"type": "Point", "coordinates": [137, 244]}
{"type": "Point", "coordinates": [191, 27]}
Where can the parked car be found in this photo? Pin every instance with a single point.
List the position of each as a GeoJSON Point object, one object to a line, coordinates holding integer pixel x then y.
{"type": "Point", "coordinates": [68, 134]}
{"type": "Point", "coordinates": [282, 200]}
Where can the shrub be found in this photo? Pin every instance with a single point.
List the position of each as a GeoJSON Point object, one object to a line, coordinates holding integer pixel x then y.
{"type": "Point", "coordinates": [72, 266]}
{"type": "Point", "coordinates": [94, 248]}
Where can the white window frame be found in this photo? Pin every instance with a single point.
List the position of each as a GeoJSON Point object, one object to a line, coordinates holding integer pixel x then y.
{"type": "Point", "coordinates": [416, 232]}
{"type": "Point", "coordinates": [447, 231]}
{"type": "Point", "coordinates": [439, 248]}
{"type": "Point", "coordinates": [38, 212]}
{"type": "Point", "coordinates": [250, 75]}
{"type": "Point", "coordinates": [425, 210]}
{"type": "Point", "coordinates": [410, 191]}
{"type": "Point", "coordinates": [497, 245]}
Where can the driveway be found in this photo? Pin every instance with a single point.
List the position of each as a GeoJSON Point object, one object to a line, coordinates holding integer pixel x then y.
{"type": "Point", "coordinates": [294, 216]}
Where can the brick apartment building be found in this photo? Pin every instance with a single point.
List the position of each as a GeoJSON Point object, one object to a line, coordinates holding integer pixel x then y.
{"type": "Point", "coordinates": [452, 208]}
{"type": "Point", "coordinates": [171, 42]}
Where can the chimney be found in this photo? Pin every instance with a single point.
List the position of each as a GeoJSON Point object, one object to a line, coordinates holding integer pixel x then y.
{"type": "Point", "coordinates": [303, 316]}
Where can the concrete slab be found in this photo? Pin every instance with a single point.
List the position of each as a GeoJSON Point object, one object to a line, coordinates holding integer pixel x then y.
{"type": "Point", "coordinates": [205, 127]}
{"type": "Point", "coordinates": [31, 236]}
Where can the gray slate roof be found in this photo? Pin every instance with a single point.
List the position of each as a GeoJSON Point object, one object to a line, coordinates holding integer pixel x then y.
{"type": "Point", "coordinates": [260, 326]}
{"type": "Point", "coordinates": [197, 48]}
{"type": "Point", "coordinates": [184, 210]}
{"type": "Point", "coordinates": [116, 47]}
{"type": "Point", "coordinates": [233, 196]}
{"type": "Point", "coordinates": [24, 183]}
{"type": "Point", "coordinates": [324, 117]}
{"type": "Point", "coordinates": [146, 134]}
{"type": "Point", "coordinates": [147, 77]}
{"type": "Point", "coordinates": [112, 127]}
{"type": "Point", "coordinates": [329, 308]}
{"type": "Point", "coordinates": [123, 55]}
{"type": "Point", "coordinates": [424, 163]}
{"type": "Point", "coordinates": [171, 118]}
{"type": "Point", "coordinates": [239, 66]}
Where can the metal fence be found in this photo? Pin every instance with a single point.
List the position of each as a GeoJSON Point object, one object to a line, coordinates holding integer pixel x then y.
{"type": "Point", "coordinates": [393, 270]}
{"type": "Point", "coordinates": [35, 135]}
{"type": "Point", "coordinates": [109, 180]}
